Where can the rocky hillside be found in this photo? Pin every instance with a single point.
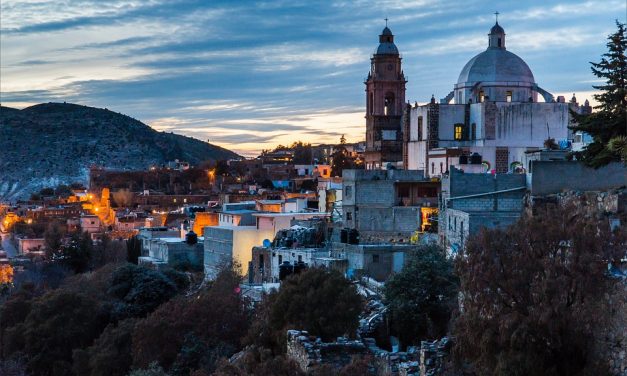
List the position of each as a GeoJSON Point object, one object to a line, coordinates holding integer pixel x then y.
{"type": "Point", "coordinates": [53, 143]}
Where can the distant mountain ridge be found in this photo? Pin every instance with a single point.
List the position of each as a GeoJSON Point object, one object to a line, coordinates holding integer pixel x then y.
{"type": "Point", "coordinates": [54, 143]}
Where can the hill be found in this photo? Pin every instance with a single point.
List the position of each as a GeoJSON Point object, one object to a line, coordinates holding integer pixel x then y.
{"type": "Point", "coordinates": [56, 143]}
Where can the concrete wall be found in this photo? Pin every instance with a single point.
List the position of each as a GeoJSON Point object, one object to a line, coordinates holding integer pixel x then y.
{"type": "Point", "coordinates": [458, 184]}
{"type": "Point", "coordinates": [459, 225]}
{"type": "Point", "coordinates": [548, 177]}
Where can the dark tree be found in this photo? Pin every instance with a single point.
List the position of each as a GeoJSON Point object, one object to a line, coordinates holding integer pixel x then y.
{"type": "Point", "coordinates": [340, 161]}
{"type": "Point", "coordinates": [133, 249]}
{"type": "Point", "coordinates": [194, 332]}
{"type": "Point", "coordinates": [532, 294]}
{"type": "Point", "coordinates": [139, 290]}
{"type": "Point", "coordinates": [322, 302]}
{"type": "Point", "coordinates": [77, 254]}
{"type": "Point", "coordinates": [302, 153]}
{"type": "Point", "coordinates": [607, 126]}
{"type": "Point", "coordinates": [57, 323]}
{"type": "Point", "coordinates": [422, 296]}
{"type": "Point", "coordinates": [110, 355]}
{"type": "Point", "coordinates": [53, 237]}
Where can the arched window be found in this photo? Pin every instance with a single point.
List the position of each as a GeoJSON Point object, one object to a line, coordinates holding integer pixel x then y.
{"type": "Point", "coordinates": [389, 104]}
{"type": "Point", "coordinates": [419, 128]}
{"type": "Point", "coordinates": [499, 43]}
{"type": "Point", "coordinates": [371, 104]}
{"type": "Point", "coordinates": [432, 168]}
{"type": "Point", "coordinates": [441, 167]}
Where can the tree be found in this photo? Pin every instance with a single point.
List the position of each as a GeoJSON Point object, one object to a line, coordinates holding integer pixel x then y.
{"type": "Point", "coordinates": [123, 198]}
{"type": "Point", "coordinates": [110, 355]}
{"type": "Point", "coordinates": [340, 161]}
{"type": "Point", "coordinates": [193, 332]}
{"type": "Point", "coordinates": [139, 290]}
{"type": "Point", "coordinates": [422, 296]}
{"type": "Point", "coordinates": [322, 302]}
{"type": "Point", "coordinates": [133, 249]}
{"type": "Point", "coordinates": [53, 237]}
{"type": "Point", "coordinates": [77, 254]}
{"type": "Point", "coordinates": [302, 153]}
{"type": "Point", "coordinates": [532, 294]}
{"type": "Point", "coordinates": [57, 323]}
{"type": "Point", "coordinates": [607, 125]}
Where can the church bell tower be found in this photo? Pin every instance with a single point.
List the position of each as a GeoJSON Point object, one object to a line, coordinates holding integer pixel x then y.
{"type": "Point", "coordinates": [385, 101]}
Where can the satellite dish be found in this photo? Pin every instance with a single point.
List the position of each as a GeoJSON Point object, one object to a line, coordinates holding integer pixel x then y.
{"type": "Point", "coordinates": [267, 243]}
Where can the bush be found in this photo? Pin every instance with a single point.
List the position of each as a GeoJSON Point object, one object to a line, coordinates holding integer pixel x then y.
{"type": "Point", "coordinates": [140, 291]}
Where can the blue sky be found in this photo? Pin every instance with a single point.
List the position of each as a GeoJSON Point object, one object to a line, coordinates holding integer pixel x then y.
{"type": "Point", "coordinates": [249, 75]}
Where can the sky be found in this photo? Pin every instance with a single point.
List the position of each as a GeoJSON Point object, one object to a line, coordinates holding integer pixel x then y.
{"type": "Point", "coordinates": [249, 75]}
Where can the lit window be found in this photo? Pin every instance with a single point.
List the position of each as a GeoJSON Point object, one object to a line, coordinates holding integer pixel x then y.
{"type": "Point", "coordinates": [508, 96]}
{"type": "Point", "coordinates": [481, 96]}
{"type": "Point", "coordinates": [459, 131]}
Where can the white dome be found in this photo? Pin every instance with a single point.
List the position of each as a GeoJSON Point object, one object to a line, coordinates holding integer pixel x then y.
{"type": "Point", "coordinates": [495, 65]}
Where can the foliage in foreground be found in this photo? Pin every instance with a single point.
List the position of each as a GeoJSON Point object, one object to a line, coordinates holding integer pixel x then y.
{"type": "Point", "coordinates": [532, 294]}
{"type": "Point", "coordinates": [422, 296]}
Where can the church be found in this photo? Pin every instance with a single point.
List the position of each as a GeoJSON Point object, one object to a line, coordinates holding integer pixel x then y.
{"type": "Point", "coordinates": [488, 123]}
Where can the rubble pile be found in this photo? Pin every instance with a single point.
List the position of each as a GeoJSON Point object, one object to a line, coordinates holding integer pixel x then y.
{"type": "Point", "coordinates": [298, 236]}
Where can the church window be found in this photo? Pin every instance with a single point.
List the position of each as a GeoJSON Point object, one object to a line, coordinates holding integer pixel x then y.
{"type": "Point", "coordinates": [474, 131]}
{"type": "Point", "coordinates": [459, 132]}
{"type": "Point", "coordinates": [432, 168]}
{"type": "Point", "coordinates": [441, 167]}
{"type": "Point", "coordinates": [389, 104]}
{"type": "Point", "coordinates": [499, 42]}
{"type": "Point", "coordinates": [419, 128]}
{"type": "Point", "coordinates": [508, 96]}
{"type": "Point", "coordinates": [371, 104]}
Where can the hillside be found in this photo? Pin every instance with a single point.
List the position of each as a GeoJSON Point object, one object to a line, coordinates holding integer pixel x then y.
{"type": "Point", "coordinates": [53, 143]}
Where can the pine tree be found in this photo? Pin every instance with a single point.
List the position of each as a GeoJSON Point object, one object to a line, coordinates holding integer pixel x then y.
{"type": "Point", "coordinates": [608, 125]}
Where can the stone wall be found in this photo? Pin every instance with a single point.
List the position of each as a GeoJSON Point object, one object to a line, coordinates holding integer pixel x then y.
{"type": "Point", "coordinates": [310, 352]}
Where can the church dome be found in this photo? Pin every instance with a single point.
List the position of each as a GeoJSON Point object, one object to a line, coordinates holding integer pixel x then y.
{"type": "Point", "coordinates": [386, 43]}
{"type": "Point", "coordinates": [497, 29]}
{"type": "Point", "coordinates": [387, 48]}
{"type": "Point", "coordinates": [496, 65]}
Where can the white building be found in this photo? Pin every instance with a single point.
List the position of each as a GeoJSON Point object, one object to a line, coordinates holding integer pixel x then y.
{"type": "Point", "coordinates": [493, 111]}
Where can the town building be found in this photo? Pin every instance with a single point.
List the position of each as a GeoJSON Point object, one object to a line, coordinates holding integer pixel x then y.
{"type": "Point", "coordinates": [472, 201]}
{"type": "Point", "coordinates": [388, 205]}
{"type": "Point", "coordinates": [174, 252]}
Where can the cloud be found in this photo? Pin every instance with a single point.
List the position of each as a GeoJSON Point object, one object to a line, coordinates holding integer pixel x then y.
{"type": "Point", "coordinates": [253, 74]}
